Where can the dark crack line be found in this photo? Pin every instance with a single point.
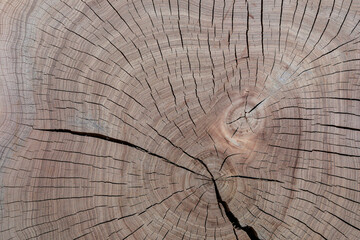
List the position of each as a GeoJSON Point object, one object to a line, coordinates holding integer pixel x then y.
{"type": "Point", "coordinates": [247, 30]}
{"type": "Point", "coordinates": [255, 178]}
{"type": "Point", "coordinates": [341, 26]}
{"type": "Point", "coordinates": [118, 141]}
{"type": "Point", "coordinates": [158, 203]}
{"type": "Point", "coordinates": [235, 120]}
{"type": "Point", "coordinates": [222, 164]}
{"type": "Point", "coordinates": [235, 222]}
{"type": "Point", "coordinates": [118, 13]}
{"type": "Point", "coordinates": [280, 30]}
{"type": "Point", "coordinates": [256, 106]}
{"type": "Point", "coordinates": [249, 230]}
{"type": "Point", "coordinates": [186, 153]}
{"type": "Point", "coordinates": [262, 29]}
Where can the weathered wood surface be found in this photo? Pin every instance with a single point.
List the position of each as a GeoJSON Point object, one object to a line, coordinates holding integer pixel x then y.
{"type": "Point", "coordinates": [179, 119]}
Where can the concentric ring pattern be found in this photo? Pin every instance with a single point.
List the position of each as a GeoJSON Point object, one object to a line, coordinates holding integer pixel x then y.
{"type": "Point", "coordinates": [151, 119]}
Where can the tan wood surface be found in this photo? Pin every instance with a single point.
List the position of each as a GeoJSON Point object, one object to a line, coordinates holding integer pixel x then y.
{"type": "Point", "coordinates": [179, 119]}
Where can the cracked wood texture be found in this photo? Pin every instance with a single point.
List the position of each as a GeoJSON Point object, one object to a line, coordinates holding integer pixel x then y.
{"type": "Point", "coordinates": [172, 119]}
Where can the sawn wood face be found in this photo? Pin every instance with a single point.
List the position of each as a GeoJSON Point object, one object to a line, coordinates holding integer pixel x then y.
{"type": "Point", "coordinates": [152, 119]}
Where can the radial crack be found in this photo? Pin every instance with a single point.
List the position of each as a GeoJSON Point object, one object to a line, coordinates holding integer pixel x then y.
{"type": "Point", "coordinates": [118, 141]}
{"type": "Point", "coordinates": [235, 222]}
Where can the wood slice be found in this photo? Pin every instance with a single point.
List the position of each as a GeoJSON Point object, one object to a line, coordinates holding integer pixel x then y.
{"type": "Point", "coordinates": [175, 119]}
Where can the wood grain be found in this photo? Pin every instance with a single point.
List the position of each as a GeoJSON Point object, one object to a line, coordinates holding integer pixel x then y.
{"type": "Point", "coordinates": [205, 119]}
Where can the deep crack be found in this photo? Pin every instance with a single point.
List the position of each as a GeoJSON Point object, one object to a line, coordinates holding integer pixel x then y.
{"type": "Point", "coordinates": [235, 222]}
{"type": "Point", "coordinates": [122, 142]}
